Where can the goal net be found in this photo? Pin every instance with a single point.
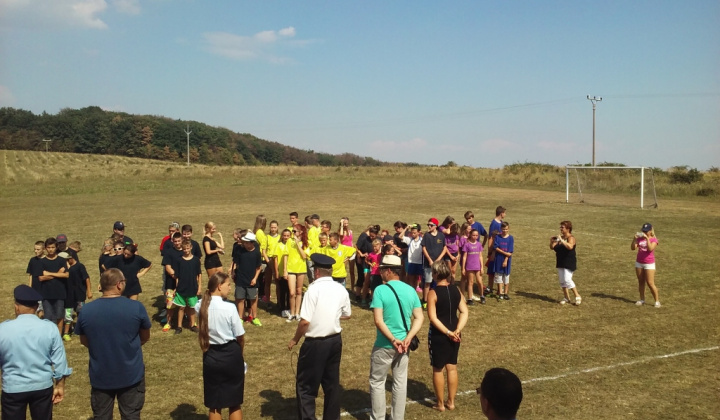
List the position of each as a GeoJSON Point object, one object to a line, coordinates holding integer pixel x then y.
{"type": "Point", "coordinates": [613, 185]}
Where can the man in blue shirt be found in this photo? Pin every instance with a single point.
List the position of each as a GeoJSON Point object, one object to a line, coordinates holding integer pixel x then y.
{"type": "Point", "coordinates": [114, 328]}
{"type": "Point", "coordinates": [32, 358]}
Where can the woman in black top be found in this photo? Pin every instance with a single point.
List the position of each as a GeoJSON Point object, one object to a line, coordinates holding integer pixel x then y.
{"type": "Point", "coordinates": [133, 266]}
{"type": "Point", "coordinates": [566, 261]}
{"type": "Point", "coordinates": [444, 335]}
{"type": "Point", "coordinates": [213, 249]}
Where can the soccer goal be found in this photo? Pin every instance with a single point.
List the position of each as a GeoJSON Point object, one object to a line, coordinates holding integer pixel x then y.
{"type": "Point", "coordinates": [611, 180]}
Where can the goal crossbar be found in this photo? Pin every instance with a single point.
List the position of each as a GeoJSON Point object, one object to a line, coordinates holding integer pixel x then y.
{"type": "Point", "coordinates": [642, 179]}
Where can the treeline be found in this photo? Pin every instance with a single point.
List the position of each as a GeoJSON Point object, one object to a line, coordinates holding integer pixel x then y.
{"type": "Point", "coordinates": [94, 130]}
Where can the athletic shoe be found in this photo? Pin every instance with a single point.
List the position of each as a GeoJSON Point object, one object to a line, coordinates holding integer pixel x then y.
{"type": "Point", "coordinates": [506, 297]}
{"type": "Point", "coordinates": [657, 304]}
{"type": "Point", "coordinates": [66, 337]}
{"type": "Point", "coordinates": [256, 322]}
{"type": "Point", "coordinates": [488, 291]}
{"type": "Point", "coordinates": [178, 331]}
{"type": "Point", "coordinates": [194, 328]}
{"type": "Point", "coordinates": [290, 318]}
{"type": "Point", "coordinates": [166, 327]}
{"type": "Point", "coordinates": [475, 298]}
{"type": "Point", "coordinates": [470, 302]}
{"type": "Point", "coordinates": [564, 301]}
{"type": "Point", "coordinates": [285, 313]}
{"type": "Point", "coordinates": [640, 303]}
{"type": "Point", "coordinates": [578, 300]}
{"type": "Point", "coordinates": [482, 300]}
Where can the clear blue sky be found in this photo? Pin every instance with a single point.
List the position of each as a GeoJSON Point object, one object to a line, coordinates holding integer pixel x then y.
{"type": "Point", "coordinates": [481, 83]}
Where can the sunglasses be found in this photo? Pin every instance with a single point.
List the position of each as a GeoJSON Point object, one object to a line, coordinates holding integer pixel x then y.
{"type": "Point", "coordinates": [431, 225]}
{"type": "Point", "coordinates": [117, 249]}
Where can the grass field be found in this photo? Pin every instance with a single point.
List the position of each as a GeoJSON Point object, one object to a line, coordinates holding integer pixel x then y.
{"type": "Point", "coordinates": [618, 345]}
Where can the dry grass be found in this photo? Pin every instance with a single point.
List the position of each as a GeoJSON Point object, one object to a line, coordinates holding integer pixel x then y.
{"type": "Point", "coordinates": [530, 334]}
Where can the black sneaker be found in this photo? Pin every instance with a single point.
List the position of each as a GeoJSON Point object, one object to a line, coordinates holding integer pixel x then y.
{"type": "Point", "coordinates": [194, 329]}
{"type": "Point", "coordinates": [488, 291]}
{"type": "Point", "coordinates": [470, 302]}
{"type": "Point", "coordinates": [482, 300]}
{"type": "Point", "coordinates": [178, 331]}
{"type": "Point", "coordinates": [506, 297]}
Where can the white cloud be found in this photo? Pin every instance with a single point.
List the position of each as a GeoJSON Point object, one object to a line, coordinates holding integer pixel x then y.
{"type": "Point", "coordinates": [6, 96]}
{"type": "Point", "coordinates": [257, 46]}
{"type": "Point", "coordinates": [54, 13]}
{"type": "Point", "coordinates": [129, 7]}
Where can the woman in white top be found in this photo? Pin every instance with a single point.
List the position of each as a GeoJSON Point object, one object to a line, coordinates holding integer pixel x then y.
{"type": "Point", "coordinates": [222, 341]}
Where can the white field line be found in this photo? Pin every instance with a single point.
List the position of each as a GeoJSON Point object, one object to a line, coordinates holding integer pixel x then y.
{"type": "Point", "coordinates": [565, 375]}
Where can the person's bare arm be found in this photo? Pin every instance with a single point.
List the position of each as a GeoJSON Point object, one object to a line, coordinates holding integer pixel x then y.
{"type": "Point", "coordinates": [144, 336]}
{"type": "Point", "coordinates": [417, 322]}
{"type": "Point", "coordinates": [299, 333]}
{"type": "Point", "coordinates": [384, 330]}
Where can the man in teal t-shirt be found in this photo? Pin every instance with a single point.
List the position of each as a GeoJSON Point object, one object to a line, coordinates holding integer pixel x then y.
{"type": "Point", "coordinates": [391, 349]}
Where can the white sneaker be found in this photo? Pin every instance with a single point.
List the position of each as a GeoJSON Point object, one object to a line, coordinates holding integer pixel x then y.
{"type": "Point", "coordinates": [290, 318]}
{"type": "Point", "coordinates": [564, 301]}
{"type": "Point", "coordinates": [475, 298]}
{"type": "Point", "coordinates": [285, 313]}
{"type": "Point", "coordinates": [578, 300]}
{"type": "Point", "coordinates": [657, 304]}
{"type": "Point", "coordinates": [640, 303]}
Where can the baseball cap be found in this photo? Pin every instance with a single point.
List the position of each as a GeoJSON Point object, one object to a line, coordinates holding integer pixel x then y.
{"type": "Point", "coordinates": [119, 225]}
{"type": "Point", "coordinates": [64, 255]}
{"type": "Point", "coordinates": [434, 221]}
{"type": "Point", "coordinates": [61, 238]}
{"type": "Point", "coordinates": [647, 227]}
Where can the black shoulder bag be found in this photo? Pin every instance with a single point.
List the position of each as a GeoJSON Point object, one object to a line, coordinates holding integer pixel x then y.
{"type": "Point", "coordinates": [415, 342]}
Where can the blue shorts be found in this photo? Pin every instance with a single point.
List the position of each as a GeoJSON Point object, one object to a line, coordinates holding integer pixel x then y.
{"type": "Point", "coordinates": [415, 269]}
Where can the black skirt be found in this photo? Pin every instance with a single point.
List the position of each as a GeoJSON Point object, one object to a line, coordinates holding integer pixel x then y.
{"type": "Point", "coordinates": [443, 351]}
{"type": "Point", "coordinates": [223, 376]}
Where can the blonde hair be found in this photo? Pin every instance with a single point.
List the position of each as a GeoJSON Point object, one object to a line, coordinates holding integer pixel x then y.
{"type": "Point", "coordinates": [208, 227]}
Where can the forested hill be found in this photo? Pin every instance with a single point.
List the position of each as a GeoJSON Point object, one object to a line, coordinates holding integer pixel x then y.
{"type": "Point", "coordinates": [93, 130]}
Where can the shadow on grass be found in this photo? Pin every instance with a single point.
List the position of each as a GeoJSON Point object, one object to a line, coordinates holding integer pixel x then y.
{"type": "Point", "coordinates": [419, 391]}
{"type": "Point", "coordinates": [536, 296]}
{"type": "Point", "coordinates": [605, 296]}
{"type": "Point", "coordinates": [276, 406]}
{"type": "Point", "coordinates": [187, 412]}
{"type": "Point", "coordinates": [356, 403]}
{"type": "Point", "coordinates": [159, 306]}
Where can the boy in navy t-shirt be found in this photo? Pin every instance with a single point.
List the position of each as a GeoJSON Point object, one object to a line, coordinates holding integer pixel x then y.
{"type": "Point", "coordinates": [504, 245]}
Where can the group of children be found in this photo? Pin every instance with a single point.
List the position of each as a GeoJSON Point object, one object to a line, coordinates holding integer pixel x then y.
{"type": "Point", "coordinates": [266, 254]}
{"type": "Point", "coordinates": [61, 279]}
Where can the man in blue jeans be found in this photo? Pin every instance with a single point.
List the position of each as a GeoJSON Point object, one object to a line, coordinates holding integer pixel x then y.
{"type": "Point", "coordinates": [114, 328]}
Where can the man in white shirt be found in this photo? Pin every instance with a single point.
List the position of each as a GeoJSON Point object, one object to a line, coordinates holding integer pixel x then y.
{"type": "Point", "coordinates": [324, 305]}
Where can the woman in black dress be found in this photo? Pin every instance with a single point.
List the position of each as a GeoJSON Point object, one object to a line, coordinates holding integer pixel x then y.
{"type": "Point", "coordinates": [444, 336]}
{"type": "Point", "coordinates": [133, 266]}
{"type": "Point", "coordinates": [213, 249]}
{"type": "Point", "coordinates": [221, 338]}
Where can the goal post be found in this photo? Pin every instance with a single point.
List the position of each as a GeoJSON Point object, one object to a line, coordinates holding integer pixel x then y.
{"type": "Point", "coordinates": [641, 169]}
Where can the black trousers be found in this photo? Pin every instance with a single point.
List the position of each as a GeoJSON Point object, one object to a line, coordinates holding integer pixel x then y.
{"type": "Point", "coordinates": [319, 364]}
{"type": "Point", "coordinates": [15, 405]}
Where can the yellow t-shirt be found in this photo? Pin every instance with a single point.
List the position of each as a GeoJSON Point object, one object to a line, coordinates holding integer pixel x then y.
{"type": "Point", "coordinates": [261, 238]}
{"type": "Point", "coordinates": [314, 236]}
{"type": "Point", "coordinates": [296, 263]}
{"type": "Point", "coordinates": [272, 242]}
{"type": "Point", "coordinates": [339, 255]}
{"type": "Point", "coordinates": [281, 250]}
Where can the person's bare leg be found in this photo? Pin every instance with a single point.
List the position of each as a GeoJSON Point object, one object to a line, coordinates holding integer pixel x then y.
{"type": "Point", "coordinates": [650, 280]}
{"type": "Point", "coordinates": [235, 413]}
{"type": "Point", "coordinates": [439, 385]}
{"type": "Point", "coordinates": [452, 380]}
{"type": "Point", "coordinates": [292, 281]}
{"type": "Point", "coordinates": [641, 282]}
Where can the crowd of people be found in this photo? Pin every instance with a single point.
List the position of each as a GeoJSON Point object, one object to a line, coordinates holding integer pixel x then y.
{"type": "Point", "coordinates": [397, 276]}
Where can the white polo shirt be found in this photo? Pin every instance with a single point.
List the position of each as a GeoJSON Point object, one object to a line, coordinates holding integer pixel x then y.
{"type": "Point", "coordinates": [323, 304]}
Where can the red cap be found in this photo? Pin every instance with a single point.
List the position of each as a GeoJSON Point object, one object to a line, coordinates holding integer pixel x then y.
{"type": "Point", "coordinates": [434, 221]}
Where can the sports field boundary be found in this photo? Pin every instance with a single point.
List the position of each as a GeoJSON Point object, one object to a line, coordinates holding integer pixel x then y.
{"type": "Point", "coordinates": [564, 375]}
